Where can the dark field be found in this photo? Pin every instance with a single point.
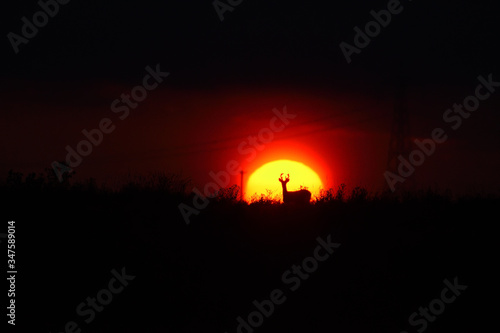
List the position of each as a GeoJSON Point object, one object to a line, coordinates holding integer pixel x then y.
{"type": "Point", "coordinates": [394, 254]}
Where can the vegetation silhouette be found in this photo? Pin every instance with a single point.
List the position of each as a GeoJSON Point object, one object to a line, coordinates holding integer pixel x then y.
{"type": "Point", "coordinates": [396, 250]}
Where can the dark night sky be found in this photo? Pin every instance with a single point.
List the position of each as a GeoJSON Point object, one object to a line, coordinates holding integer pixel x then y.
{"type": "Point", "coordinates": [226, 77]}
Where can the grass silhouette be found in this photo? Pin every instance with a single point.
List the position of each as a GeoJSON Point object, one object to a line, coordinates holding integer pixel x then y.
{"type": "Point", "coordinates": [396, 250]}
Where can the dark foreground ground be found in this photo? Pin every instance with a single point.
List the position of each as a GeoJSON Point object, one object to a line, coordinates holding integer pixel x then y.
{"type": "Point", "coordinates": [393, 258]}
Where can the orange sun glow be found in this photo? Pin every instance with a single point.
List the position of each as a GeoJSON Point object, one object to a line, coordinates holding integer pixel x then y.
{"type": "Point", "coordinates": [266, 178]}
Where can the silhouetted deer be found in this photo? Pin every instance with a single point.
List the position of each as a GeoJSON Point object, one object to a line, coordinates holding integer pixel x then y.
{"type": "Point", "coordinates": [302, 196]}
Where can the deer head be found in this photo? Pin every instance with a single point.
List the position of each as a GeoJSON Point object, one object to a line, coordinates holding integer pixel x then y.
{"type": "Point", "coordinates": [284, 181]}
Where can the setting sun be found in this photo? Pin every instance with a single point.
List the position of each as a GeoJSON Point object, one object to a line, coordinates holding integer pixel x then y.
{"type": "Point", "coordinates": [266, 178]}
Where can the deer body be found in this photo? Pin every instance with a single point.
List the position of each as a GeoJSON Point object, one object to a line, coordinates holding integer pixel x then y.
{"type": "Point", "coordinates": [301, 196]}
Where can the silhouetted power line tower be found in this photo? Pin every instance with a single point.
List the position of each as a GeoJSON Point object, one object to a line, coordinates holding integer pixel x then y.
{"type": "Point", "coordinates": [400, 143]}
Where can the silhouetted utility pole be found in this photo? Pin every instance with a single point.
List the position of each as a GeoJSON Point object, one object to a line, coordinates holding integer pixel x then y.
{"type": "Point", "coordinates": [400, 143]}
{"type": "Point", "coordinates": [241, 186]}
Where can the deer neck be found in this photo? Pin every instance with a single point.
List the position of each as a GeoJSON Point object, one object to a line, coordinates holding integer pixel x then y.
{"type": "Point", "coordinates": [284, 188]}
